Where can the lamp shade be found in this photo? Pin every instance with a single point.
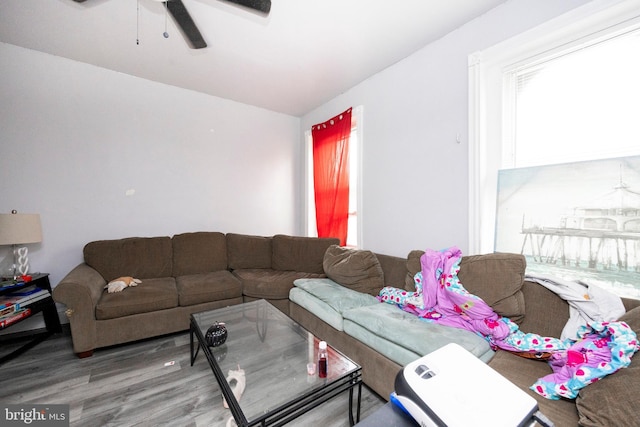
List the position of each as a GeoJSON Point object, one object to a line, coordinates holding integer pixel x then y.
{"type": "Point", "coordinates": [17, 228]}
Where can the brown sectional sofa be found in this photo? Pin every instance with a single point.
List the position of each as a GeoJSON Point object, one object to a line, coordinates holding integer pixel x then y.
{"type": "Point", "coordinates": [193, 272]}
{"type": "Point", "coordinates": [499, 280]}
{"type": "Point", "coordinates": [183, 274]}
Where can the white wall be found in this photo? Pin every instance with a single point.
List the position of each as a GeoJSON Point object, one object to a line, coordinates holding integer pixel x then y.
{"type": "Point", "coordinates": [76, 139]}
{"type": "Point", "coordinates": [415, 173]}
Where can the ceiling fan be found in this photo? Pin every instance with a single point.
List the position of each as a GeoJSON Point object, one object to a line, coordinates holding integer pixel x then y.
{"type": "Point", "coordinates": [189, 28]}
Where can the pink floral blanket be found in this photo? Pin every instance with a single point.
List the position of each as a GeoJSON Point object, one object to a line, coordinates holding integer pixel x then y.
{"type": "Point", "coordinates": [600, 349]}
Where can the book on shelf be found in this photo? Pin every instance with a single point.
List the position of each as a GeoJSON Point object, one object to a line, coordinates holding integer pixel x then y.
{"type": "Point", "coordinates": [7, 310]}
{"type": "Point", "coordinates": [34, 299]}
{"type": "Point", "coordinates": [22, 300]}
{"type": "Point", "coordinates": [13, 318]}
{"type": "Point", "coordinates": [25, 291]}
{"type": "Point", "coordinates": [10, 284]}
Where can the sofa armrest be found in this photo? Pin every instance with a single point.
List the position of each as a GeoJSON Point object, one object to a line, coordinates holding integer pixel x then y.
{"type": "Point", "coordinates": [80, 291]}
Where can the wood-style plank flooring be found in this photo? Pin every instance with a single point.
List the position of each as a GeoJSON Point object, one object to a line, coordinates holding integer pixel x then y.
{"type": "Point", "coordinates": [147, 383]}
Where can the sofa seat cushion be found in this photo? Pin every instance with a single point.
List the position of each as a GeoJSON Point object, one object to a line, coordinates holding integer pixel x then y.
{"type": "Point", "coordinates": [524, 372]}
{"type": "Point", "coordinates": [206, 287]}
{"type": "Point", "coordinates": [268, 283]}
{"type": "Point", "coordinates": [328, 300]}
{"type": "Point", "coordinates": [150, 295]}
{"type": "Point", "coordinates": [403, 337]}
{"type": "Point", "coordinates": [613, 400]}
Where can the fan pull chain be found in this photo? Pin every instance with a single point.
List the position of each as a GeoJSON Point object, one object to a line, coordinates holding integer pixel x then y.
{"type": "Point", "coordinates": [138, 22]}
{"type": "Point", "coordinates": [166, 13]}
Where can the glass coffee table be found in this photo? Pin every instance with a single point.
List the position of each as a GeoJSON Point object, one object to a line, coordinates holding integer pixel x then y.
{"type": "Point", "coordinates": [273, 351]}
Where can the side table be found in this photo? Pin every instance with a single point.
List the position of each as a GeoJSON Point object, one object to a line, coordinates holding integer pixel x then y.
{"type": "Point", "coordinates": [45, 306]}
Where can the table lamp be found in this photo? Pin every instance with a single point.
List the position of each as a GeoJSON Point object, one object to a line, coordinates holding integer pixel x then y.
{"type": "Point", "coordinates": [19, 229]}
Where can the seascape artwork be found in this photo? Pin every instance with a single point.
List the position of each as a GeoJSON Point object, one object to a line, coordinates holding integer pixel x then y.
{"type": "Point", "coordinates": [577, 221]}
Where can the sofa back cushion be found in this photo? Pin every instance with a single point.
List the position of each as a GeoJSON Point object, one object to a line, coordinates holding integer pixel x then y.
{"type": "Point", "coordinates": [413, 266]}
{"type": "Point", "coordinates": [303, 254]}
{"type": "Point", "coordinates": [394, 269]}
{"type": "Point", "coordinates": [248, 252]}
{"type": "Point", "coordinates": [201, 252]}
{"type": "Point", "coordinates": [496, 278]}
{"type": "Point", "coordinates": [547, 313]}
{"type": "Point", "coordinates": [355, 269]}
{"type": "Point", "coordinates": [139, 257]}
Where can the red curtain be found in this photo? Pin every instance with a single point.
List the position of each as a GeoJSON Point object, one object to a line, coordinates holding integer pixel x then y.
{"type": "Point", "coordinates": [331, 175]}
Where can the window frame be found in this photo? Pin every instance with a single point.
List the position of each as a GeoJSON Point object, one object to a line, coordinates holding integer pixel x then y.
{"type": "Point", "coordinates": [491, 144]}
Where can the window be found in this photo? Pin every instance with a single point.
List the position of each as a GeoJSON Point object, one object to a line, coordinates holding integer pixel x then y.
{"type": "Point", "coordinates": [560, 101]}
{"type": "Point", "coordinates": [578, 104]}
{"type": "Point", "coordinates": [354, 234]}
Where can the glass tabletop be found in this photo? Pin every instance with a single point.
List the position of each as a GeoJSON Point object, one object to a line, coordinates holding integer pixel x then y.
{"type": "Point", "coordinates": [273, 351]}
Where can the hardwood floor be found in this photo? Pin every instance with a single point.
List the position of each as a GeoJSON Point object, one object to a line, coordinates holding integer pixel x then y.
{"type": "Point", "coordinates": [148, 383]}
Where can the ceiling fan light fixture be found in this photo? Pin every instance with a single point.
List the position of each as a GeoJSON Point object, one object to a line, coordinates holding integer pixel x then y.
{"type": "Point", "coordinates": [180, 14]}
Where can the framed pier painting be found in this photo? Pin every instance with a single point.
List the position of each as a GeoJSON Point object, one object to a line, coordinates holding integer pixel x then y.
{"type": "Point", "coordinates": [577, 221]}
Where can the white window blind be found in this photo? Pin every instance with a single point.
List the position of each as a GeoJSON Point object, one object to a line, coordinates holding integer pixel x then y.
{"type": "Point", "coordinates": [581, 105]}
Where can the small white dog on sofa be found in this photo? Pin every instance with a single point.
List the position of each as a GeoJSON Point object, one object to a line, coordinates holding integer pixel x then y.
{"type": "Point", "coordinates": [119, 284]}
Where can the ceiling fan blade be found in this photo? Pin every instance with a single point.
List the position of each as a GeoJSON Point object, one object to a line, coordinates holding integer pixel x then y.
{"type": "Point", "coordinates": [184, 21]}
{"type": "Point", "coordinates": [263, 6]}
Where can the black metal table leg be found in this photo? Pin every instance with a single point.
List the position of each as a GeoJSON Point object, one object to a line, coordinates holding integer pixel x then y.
{"type": "Point", "coordinates": [351, 418]}
{"type": "Point", "coordinates": [191, 340]}
{"type": "Point", "coordinates": [359, 400]}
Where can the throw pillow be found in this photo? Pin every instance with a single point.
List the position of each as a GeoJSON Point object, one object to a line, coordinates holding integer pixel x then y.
{"type": "Point", "coordinates": [614, 399]}
{"type": "Point", "coordinates": [354, 268]}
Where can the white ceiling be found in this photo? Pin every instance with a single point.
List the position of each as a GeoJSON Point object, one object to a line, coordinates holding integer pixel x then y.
{"type": "Point", "coordinates": [304, 53]}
